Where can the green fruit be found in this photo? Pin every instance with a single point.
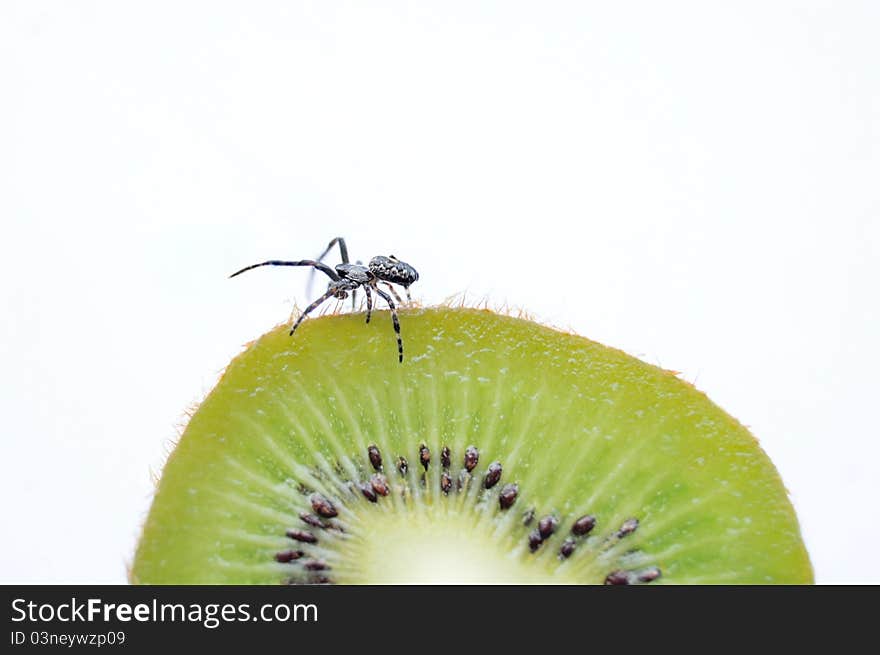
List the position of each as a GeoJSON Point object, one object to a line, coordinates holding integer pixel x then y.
{"type": "Point", "coordinates": [499, 451]}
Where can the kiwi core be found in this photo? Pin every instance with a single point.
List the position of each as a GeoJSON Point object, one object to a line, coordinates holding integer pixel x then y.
{"type": "Point", "coordinates": [499, 451]}
{"type": "Point", "coordinates": [434, 547]}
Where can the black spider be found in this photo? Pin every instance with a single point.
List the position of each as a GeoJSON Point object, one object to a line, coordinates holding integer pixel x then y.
{"type": "Point", "coordinates": [347, 278]}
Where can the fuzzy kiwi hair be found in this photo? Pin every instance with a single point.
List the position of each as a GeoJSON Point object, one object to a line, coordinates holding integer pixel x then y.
{"type": "Point", "coordinates": [499, 451]}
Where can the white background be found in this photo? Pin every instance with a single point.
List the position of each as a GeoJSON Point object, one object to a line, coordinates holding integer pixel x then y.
{"type": "Point", "coordinates": [696, 183]}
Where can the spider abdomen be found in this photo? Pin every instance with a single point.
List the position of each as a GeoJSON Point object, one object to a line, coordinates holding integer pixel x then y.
{"type": "Point", "coordinates": [391, 269]}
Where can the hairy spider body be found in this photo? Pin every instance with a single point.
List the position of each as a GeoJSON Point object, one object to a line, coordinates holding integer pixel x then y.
{"type": "Point", "coordinates": [347, 278]}
{"type": "Point", "coordinates": [391, 269]}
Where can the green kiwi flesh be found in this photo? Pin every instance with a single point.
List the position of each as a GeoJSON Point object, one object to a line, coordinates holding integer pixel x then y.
{"type": "Point", "coordinates": [499, 451]}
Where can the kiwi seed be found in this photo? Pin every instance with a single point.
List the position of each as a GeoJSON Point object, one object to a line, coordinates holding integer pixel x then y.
{"type": "Point", "coordinates": [312, 520]}
{"type": "Point", "coordinates": [315, 565]}
{"type": "Point", "coordinates": [583, 525]}
{"type": "Point", "coordinates": [493, 475]}
{"type": "Point", "coordinates": [471, 458]}
{"type": "Point", "coordinates": [302, 535]}
{"type": "Point", "coordinates": [288, 555]}
{"type": "Point", "coordinates": [508, 495]}
{"type": "Point", "coordinates": [323, 506]}
{"type": "Point", "coordinates": [379, 484]}
{"type": "Point", "coordinates": [629, 526]}
{"type": "Point", "coordinates": [535, 540]}
{"type": "Point", "coordinates": [620, 577]}
{"type": "Point", "coordinates": [375, 457]}
{"type": "Point", "coordinates": [368, 492]}
{"type": "Point", "coordinates": [547, 526]}
{"type": "Point", "coordinates": [567, 547]}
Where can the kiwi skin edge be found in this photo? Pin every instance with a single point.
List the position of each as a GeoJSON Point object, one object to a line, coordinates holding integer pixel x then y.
{"type": "Point", "coordinates": [580, 428]}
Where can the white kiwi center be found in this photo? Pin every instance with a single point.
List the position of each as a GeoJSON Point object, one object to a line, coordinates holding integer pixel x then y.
{"type": "Point", "coordinates": [435, 546]}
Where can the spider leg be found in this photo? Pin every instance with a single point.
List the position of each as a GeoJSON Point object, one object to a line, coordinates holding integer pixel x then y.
{"type": "Point", "coordinates": [330, 293]}
{"type": "Point", "coordinates": [343, 252]}
{"type": "Point", "coordinates": [369, 302]}
{"type": "Point", "coordinates": [393, 292]}
{"type": "Point", "coordinates": [343, 249]}
{"type": "Point", "coordinates": [394, 319]}
{"type": "Point", "coordinates": [326, 270]}
{"type": "Point", "coordinates": [408, 297]}
{"type": "Point", "coordinates": [354, 293]}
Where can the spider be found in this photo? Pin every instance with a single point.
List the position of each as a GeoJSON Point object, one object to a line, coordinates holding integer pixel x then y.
{"type": "Point", "coordinates": [347, 278]}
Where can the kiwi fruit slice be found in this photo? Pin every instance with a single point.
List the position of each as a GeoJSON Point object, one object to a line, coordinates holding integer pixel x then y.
{"type": "Point", "coordinates": [499, 451]}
